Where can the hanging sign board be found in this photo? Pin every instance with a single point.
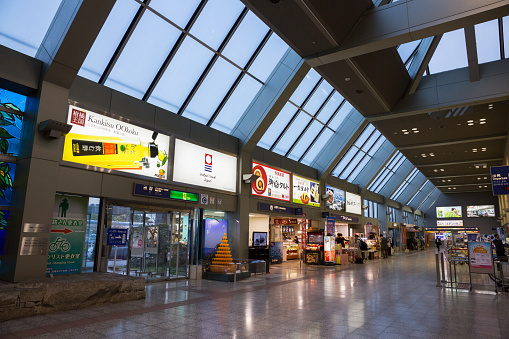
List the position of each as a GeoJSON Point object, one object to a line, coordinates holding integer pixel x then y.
{"type": "Point", "coordinates": [331, 225]}
{"type": "Point", "coordinates": [101, 141]}
{"type": "Point", "coordinates": [335, 198]}
{"type": "Point", "coordinates": [353, 203]}
{"type": "Point", "coordinates": [306, 192]}
{"type": "Point", "coordinates": [500, 180]}
{"type": "Point", "coordinates": [480, 257]}
{"type": "Point", "coordinates": [271, 183]}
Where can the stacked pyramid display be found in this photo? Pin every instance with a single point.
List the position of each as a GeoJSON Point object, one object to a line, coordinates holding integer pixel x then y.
{"type": "Point", "coordinates": [222, 261]}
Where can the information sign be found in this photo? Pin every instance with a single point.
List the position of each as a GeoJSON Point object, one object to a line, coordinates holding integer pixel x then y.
{"type": "Point", "coordinates": [480, 257]}
{"type": "Point", "coordinates": [500, 180]}
{"type": "Point", "coordinates": [116, 237]}
{"type": "Point", "coordinates": [151, 191]}
{"type": "Point", "coordinates": [67, 234]}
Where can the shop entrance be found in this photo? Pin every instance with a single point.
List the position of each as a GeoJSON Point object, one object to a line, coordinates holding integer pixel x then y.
{"type": "Point", "coordinates": [158, 245]}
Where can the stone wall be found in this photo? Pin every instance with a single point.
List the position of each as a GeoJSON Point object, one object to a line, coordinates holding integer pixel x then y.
{"type": "Point", "coordinates": [67, 293]}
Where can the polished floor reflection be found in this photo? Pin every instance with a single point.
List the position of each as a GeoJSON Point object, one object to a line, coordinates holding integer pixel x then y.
{"type": "Point", "coordinates": [389, 298]}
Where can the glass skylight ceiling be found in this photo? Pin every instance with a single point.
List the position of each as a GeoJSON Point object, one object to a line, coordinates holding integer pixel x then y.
{"type": "Point", "coordinates": [307, 121]}
{"type": "Point", "coordinates": [359, 154]}
{"type": "Point", "coordinates": [451, 52]}
{"type": "Point", "coordinates": [388, 171]}
{"type": "Point", "coordinates": [405, 184]}
{"type": "Point", "coordinates": [25, 23]}
{"type": "Point", "coordinates": [418, 191]}
{"type": "Point", "coordinates": [205, 60]}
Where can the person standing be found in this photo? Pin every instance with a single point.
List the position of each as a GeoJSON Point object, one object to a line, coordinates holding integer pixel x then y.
{"type": "Point", "coordinates": [383, 246]}
{"type": "Point", "coordinates": [438, 243]}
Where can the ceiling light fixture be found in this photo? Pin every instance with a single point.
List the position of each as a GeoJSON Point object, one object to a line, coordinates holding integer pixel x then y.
{"type": "Point", "coordinates": [442, 170]}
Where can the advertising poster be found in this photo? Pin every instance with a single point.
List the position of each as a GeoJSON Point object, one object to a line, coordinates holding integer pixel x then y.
{"type": "Point", "coordinates": [101, 141]}
{"type": "Point", "coordinates": [335, 198]}
{"type": "Point", "coordinates": [329, 249]}
{"type": "Point", "coordinates": [480, 256]}
{"type": "Point", "coordinates": [353, 203]}
{"type": "Point", "coordinates": [454, 223]}
{"type": "Point", "coordinates": [306, 192]}
{"type": "Point", "coordinates": [204, 167]}
{"type": "Point", "coordinates": [67, 234]}
{"type": "Point", "coordinates": [483, 211]}
{"type": "Point", "coordinates": [303, 230]}
{"type": "Point", "coordinates": [271, 183]}
{"type": "Point", "coordinates": [449, 212]}
{"type": "Point", "coordinates": [331, 225]}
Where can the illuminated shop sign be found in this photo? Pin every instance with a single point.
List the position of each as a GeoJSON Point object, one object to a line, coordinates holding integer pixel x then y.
{"type": "Point", "coordinates": [449, 212]}
{"type": "Point", "coordinates": [481, 211]}
{"type": "Point", "coordinates": [100, 141]}
{"type": "Point", "coordinates": [305, 191]}
{"type": "Point", "coordinates": [275, 208]}
{"type": "Point", "coordinates": [163, 193]}
{"type": "Point", "coordinates": [457, 223]}
{"type": "Point", "coordinates": [353, 203]}
{"type": "Point", "coordinates": [335, 198]}
{"type": "Point", "coordinates": [201, 166]}
{"type": "Point", "coordinates": [271, 183]}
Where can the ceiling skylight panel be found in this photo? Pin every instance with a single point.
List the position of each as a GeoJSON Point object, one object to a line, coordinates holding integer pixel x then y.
{"type": "Point", "coordinates": [277, 126]}
{"type": "Point", "coordinates": [358, 168]}
{"type": "Point", "coordinates": [246, 40]}
{"type": "Point", "coordinates": [142, 57]}
{"type": "Point", "coordinates": [216, 20]}
{"type": "Point", "coordinates": [108, 39]}
{"type": "Point", "coordinates": [212, 91]}
{"type": "Point", "coordinates": [505, 23]}
{"type": "Point", "coordinates": [451, 53]}
{"type": "Point", "coordinates": [306, 140]}
{"type": "Point", "coordinates": [406, 50]}
{"type": "Point", "coordinates": [330, 107]}
{"type": "Point", "coordinates": [487, 39]}
{"type": "Point", "coordinates": [318, 98]}
{"type": "Point", "coordinates": [25, 23]}
{"type": "Point", "coordinates": [345, 160]}
{"type": "Point", "coordinates": [366, 133]}
{"type": "Point", "coordinates": [237, 104]}
{"type": "Point", "coordinates": [305, 87]}
{"type": "Point", "coordinates": [379, 142]}
{"type": "Point", "coordinates": [292, 133]}
{"type": "Point", "coordinates": [181, 75]}
{"type": "Point", "coordinates": [340, 116]}
{"type": "Point", "coordinates": [177, 11]}
{"type": "Point", "coordinates": [268, 58]}
{"type": "Point", "coordinates": [317, 147]}
{"type": "Point", "coordinates": [352, 165]}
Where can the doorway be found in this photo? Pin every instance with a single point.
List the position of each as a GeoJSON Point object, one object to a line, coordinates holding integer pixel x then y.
{"type": "Point", "coordinates": [158, 242]}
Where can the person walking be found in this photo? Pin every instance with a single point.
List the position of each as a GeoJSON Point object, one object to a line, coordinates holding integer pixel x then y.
{"type": "Point", "coordinates": [383, 246]}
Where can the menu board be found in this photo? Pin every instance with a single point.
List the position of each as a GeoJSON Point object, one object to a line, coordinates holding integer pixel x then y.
{"type": "Point", "coordinates": [449, 212]}
{"type": "Point", "coordinates": [480, 257]}
{"type": "Point", "coordinates": [306, 192]}
{"type": "Point", "coordinates": [271, 183]}
{"type": "Point", "coordinates": [335, 198]}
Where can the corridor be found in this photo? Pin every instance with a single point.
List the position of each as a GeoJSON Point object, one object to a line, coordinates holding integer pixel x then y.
{"type": "Point", "coordinates": [390, 298]}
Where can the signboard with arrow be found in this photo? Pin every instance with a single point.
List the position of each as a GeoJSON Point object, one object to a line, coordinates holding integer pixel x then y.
{"type": "Point", "coordinates": [65, 255]}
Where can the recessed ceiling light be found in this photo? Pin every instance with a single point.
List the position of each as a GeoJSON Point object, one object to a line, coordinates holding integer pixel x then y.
{"type": "Point", "coordinates": [449, 180]}
{"type": "Point", "coordinates": [485, 186]}
{"type": "Point", "coordinates": [431, 155]}
{"type": "Point", "coordinates": [482, 122]}
{"type": "Point", "coordinates": [471, 124]}
{"type": "Point", "coordinates": [478, 178]}
{"type": "Point", "coordinates": [347, 79]}
{"type": "Point", "coordinates": [470, 121]}
{"type": "Point", "coordinates": [403, 130]}
{"type": "Point", "coordinates": [441, 170]}
{"type": "Point", "coordinates": [454, 188]}
{"type": "Point", "coordinates": [483, 149]}
{"type": "Point", "coordinates": [414, 129]}
{"type": "Point", "coordinates": [435, 170]}
{"type": "Point", "coordinates": [484, 166]}
{"type": "Point", "coordinates": [485, 178]}
{"type": "Point", "coordinates": [443, 180]}
{"type": "Point", "coordinates": [490, 107]}
{"type": "Point", "coordinates": [406, 133]}
{"type": "Point", "coordinates": [448, 188]}
{"type": "Point", "coordinates": [480, 186]}
{"type": "Point", "coordinates": [482, 119]}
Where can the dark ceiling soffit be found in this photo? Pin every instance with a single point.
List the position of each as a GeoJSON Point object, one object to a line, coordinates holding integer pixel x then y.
{"type": "Point", "coordinates": [18, 72]}
{"type": "Point", "coordinates": [453, 142]}
{"type": "Point", "coordinates": [64, 52]}
{"type": "Point", "coordinates": [478, 161]}
{"type": "Point", "coordinates": [459, 176]}
{"type": "Point", "coordinates": [493, 87]}
{"type": "Point", "coordinates": [473, 63]}
{"type": "Point", "coordinates": [383, 27]}
{"type": "Point", "coordinates": [421, 60]}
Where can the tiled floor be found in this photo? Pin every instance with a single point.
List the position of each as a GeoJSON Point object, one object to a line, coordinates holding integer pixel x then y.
{"type": "Point", "coordinates": [389, 298]}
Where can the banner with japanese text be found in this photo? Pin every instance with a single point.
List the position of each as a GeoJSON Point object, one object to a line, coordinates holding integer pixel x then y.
{"type": "Point", "coordinates": [305, 191]}
{"type": "Point", "coordinates": [271, 183]}
{"type": "Point", "coordinates": [65, 254]}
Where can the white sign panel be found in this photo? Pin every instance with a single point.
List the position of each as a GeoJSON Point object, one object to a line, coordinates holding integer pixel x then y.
{"type": "Point", "coordinates": [458, 223]}
{"type": "Point", "coordinates": [353, 203]}
{"type": "Point", "coordinates": [204, 167]}
{"type": "Point", "coordinates": [100, 141]}
{"type": "Point", "coordinates": [306, 192]}
{"type": "Point", "coordinates": [271, 183]}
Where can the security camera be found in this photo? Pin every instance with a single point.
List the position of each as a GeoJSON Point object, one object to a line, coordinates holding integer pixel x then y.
{"type": "Point", "coordinates": [249, 178]}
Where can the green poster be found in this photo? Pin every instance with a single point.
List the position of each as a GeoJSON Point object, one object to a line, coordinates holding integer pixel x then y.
{"type": "Point", "coordinates": [65, 254]}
